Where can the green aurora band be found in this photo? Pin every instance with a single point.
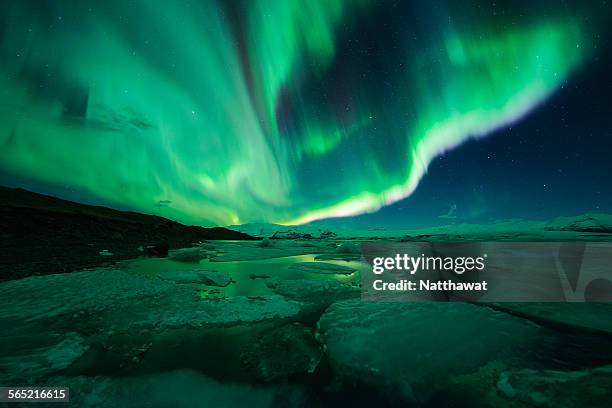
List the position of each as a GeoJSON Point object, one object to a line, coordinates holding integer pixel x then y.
{"type": "Point", "coordinates": [258, 110]}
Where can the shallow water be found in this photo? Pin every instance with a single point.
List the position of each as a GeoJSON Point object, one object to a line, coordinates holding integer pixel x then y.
{"type": "Point", "coordinates": [240, 272]}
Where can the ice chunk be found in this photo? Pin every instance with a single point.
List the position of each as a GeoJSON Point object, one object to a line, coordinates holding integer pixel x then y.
{"type": "Point", "coordinates": [408, 347]}
{"type": "Point", "coordinates": [288, 350]}
{"type": "Point", "coordinates": [265, 243]}
{"type": "Point", "coordinates": [549, 388]}
{"type": "Point", "coordinates": [210, 278]}
{"type": "Point", "coordinates": [114, 299]}
{"type": "Point", "coordinates": [323, 267]}
{"type": "Point", "coordinates": [187, 255]}
{"type": "Point", "coordinates": [35, 355]}
{"type": "Point", "coordinates": [312, 290]}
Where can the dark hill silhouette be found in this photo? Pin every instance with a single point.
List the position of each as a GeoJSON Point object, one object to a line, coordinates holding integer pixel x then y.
{"type": "Point", "coordinates": [42, 235]}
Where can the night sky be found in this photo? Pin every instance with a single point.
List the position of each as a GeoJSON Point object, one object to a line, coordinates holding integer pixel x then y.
{"type": "Point", "coordinates": [395, 114]}
{"type": "Point", "coordinates": [557, 161]}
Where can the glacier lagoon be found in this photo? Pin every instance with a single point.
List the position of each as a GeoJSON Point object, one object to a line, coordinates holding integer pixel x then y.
{"type": "Point", "coordinates": [285, 330]}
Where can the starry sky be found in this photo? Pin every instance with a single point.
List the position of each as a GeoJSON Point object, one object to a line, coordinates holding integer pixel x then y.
{"type": "Point", "coordinates": [554, 162]}
{"type": "Point", "coordinates": [391, 113]}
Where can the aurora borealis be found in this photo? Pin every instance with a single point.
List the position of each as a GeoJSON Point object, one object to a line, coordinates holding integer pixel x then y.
{"type": "Point", "coordinates": [269, 110]}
